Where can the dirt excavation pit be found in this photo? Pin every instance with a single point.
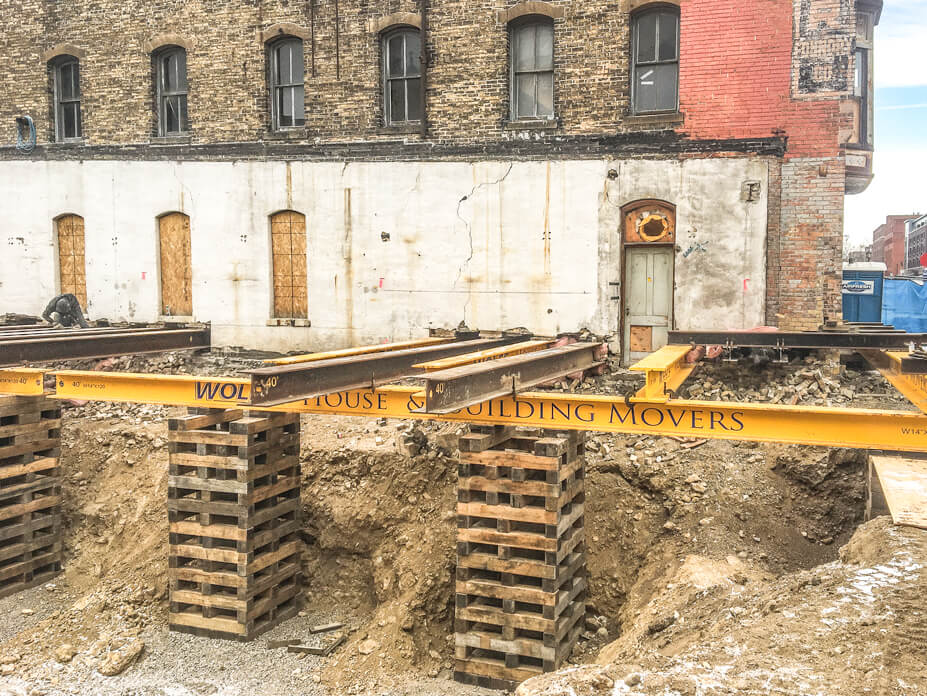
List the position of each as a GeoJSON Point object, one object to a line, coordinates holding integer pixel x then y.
{"type": "Point", "coordinates": [713, 567]}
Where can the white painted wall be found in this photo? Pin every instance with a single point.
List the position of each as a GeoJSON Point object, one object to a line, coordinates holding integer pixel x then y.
{"type": "Point", "coordinates": [467, 242]}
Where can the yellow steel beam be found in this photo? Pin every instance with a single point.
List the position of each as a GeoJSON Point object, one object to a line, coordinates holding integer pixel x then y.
{"type": "Point", "coordinates": [666, 371]}
{"type": "Point", "coordinates": [835, 427]}
{"type": "Point", "coordinates": [481, 356]}
{"type": "Point", "coordinates": [22, 381]}
{"type": "Point", "coordinates": [888, 363]}
{"type": "Point", "coordinates": [362, 350]}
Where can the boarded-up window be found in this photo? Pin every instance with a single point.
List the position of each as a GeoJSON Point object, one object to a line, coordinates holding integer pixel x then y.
{"type": "Point", "coordinates": [176, 265]}
{"type": "Point", "coordinates": [72, 273]}
{"type": "Point", "coordinates": [288, 244]}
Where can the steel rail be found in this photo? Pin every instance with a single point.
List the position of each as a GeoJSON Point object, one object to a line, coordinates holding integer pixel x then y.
{"type": "Point", "coordinates": [281, 384]}
{"type": "Point", "coordinates": [832, 427]}
{"type": "Point", "coordinates": [40, 349]}
{"type": "Point", "coordinates": [797, 339]}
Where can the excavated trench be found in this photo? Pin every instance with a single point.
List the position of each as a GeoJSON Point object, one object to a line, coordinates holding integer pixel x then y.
{"type": "Point", "coordinates": [666, 520]}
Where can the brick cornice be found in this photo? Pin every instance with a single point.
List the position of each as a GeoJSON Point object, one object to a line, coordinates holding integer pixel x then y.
{"type": "Point", "coordinates": [163, 40]}
{"type": "Point", "coordinates": [276, 31]}
{"type": "Point", "coordinates": [410, 19]}
{"type": "Point", "coordinates": [530, 7]}
{"type": "Point", "coordinates": [64, 49]}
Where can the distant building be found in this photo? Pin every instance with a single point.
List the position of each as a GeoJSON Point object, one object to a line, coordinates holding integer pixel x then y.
{"type": "Point", "coordinates": [916, 244]}
{"type": "Point", "coordinates": [861, 255]}
{"type": "Point", "coordinates": [888, 243]}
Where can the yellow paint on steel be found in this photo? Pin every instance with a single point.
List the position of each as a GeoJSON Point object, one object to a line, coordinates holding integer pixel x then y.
{"type": "Point", "coordinates": [361, 350]}
{"type": "Point", "coordinates": [834, 427]}
{"type": "Point", "coordinates": [481, 356]}
{"type": "Point", "coordinates": [666, 369]}
{"type": "Point", "coordinates": [888, 363]}
{"type": "Point", "coordinates": [22, 381]}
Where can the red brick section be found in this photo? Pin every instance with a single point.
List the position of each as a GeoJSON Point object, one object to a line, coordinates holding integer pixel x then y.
{"type": "Point", "coordinates": [888, 243]}
{"type": "Point", "coordinates": [736, 81]}
{"type": "Point", "coordinates": [735, 77]}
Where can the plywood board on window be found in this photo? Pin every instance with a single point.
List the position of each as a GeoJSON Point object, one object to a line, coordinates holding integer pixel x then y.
{"type": "Point", "coordinates": [288, 248]}
{"type": "Point", "coordinates": [176, 265]}
{"type": "Point", "coordinates": [72, 276]}
{"type": "Point", "coordinates": [641, 340]}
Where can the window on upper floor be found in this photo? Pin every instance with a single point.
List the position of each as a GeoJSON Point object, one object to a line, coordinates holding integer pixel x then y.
{"type": "Point", "coordinates": [655, 61]}
{"type": "Point", "coordinates": [66, 75]}
{"type": "Point", "coordinates": [402, 76]}
{"type": "Point", "coordinates": [287, 90]}
{"type": "Point", "coordinates": [531, 43]}
{"type": "Point", "coordinates": [171, 72]}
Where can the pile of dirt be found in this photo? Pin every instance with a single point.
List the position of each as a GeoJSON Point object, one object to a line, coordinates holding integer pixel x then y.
{"type": "Point", "coordinates": [852, 626]}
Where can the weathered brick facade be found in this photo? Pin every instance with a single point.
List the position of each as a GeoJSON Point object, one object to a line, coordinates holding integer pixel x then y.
{"type": "Point", "coordinates": [768, 79]}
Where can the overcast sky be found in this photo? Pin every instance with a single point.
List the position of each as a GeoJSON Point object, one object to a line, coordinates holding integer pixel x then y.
{"type": "Point", "coordinates": [900, 184]}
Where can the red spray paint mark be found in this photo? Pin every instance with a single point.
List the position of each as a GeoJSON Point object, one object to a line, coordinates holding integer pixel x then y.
{"type": "Point", "coordinates": [746, 280]}
{"type": "Point", "coordinates": [144, 273]}
{"type": "Point", "coordinates": [381, 282]}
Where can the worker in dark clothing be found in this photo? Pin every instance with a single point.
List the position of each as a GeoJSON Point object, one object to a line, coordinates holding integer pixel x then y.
{"type": "Point", "coordinates": [64, 310]}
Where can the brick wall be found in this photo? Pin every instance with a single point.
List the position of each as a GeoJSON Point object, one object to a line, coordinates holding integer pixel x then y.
{"type": "Point", "coordinates": [753, 76]}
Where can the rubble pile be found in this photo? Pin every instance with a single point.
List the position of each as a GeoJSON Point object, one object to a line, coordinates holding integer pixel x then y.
{"type": "Point", "coordinates": [809, 381]}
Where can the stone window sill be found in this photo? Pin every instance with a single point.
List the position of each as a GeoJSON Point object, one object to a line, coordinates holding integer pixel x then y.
{"type": "Point", "coordinates": [526, 124]}
{"type": "Point", "coordinates": [411, 128]}
{"type": "Point", "coordinates": [289, 322]}
{"type": "Point", "coordinates": [172, 319]}
{"type": "Point", "coordinates": [287, 134]}
{"type": "Point", "coordinates": [662, 119]}
{"type": "Point", "coordinates": [172, 140]}
{"type": "Point", "coordinates": [70, 142]}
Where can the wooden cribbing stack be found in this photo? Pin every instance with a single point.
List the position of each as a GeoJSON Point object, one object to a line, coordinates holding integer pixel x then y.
{"type": "Point", "coordinates": [233, 506]}
{"type": "Point", "coordinates": [30, 492]}
{"type": "Point", "coordinates": [520, 555]}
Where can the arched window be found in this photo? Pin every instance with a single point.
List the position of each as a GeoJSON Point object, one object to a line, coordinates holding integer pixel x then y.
{"type": "Point", "coordinates": [72, 274]}
{"type": "Point", "coordinates": [655, 60]}
{"type": "Point", "coordinates": [531, 42]}
{"type": "Point", "coordinates": [171, 72]}
{"type": "Point", "coordinates": [287, 90]}
{"type": "Point", "coordinates": [66, 76]}
{"type": "Point", "coordinates": [402, 76]}
{"type": "Point", "coordinates": [288, 249]}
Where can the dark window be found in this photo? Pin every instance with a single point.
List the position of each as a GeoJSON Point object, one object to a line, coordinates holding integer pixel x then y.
{"type": "Point", "coordinates": [532, 69]}
{"type": "Point", "coordinates": [861, 90]}
{"type": "Point", "coordinates": [402, 76]}
{"type": "Point", "coordinates": [172, 92]}
{"type": "Point", "coordinates": [655, 61]}
{"type": "Point", "coordinates": [287, 72]}
{"type": "Point", "coordinates": [67, 99]}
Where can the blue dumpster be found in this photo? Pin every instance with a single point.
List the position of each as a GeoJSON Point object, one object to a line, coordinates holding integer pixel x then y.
{"type": "Point", "coordinates": [862, 291]}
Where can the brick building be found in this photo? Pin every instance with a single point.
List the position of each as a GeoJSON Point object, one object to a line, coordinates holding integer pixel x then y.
{"type": "Point", "coordinates": [888, 243]}
{"type": "Point", "coordinates": [303, 174]}
{"type": "Point", "coordinates": [915, 242]}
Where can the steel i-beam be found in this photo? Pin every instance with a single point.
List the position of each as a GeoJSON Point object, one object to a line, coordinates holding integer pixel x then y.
{"type": "Point", "coordinates": [79, 345]}
{"type": "Point", "coordinates": [458, 387]}
{"type": "Point", "coordinates": [796, 339]}
{"type": "Point", "coordinates": [278, 385]}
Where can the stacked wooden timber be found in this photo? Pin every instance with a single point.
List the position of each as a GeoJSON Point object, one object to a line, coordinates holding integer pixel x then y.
{"type": "Point", "coordinates": [30, 492]}
{"type": "Point", "coordinates": [520, 554]}
{"type": "Point", "coordinates": [233, 506]}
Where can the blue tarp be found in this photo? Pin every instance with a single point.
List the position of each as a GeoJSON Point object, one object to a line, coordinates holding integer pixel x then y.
{"type": "Point", "coordinates": [904, 305]}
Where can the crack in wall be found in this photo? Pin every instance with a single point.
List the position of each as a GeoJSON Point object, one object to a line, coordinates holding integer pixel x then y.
{"type": "Point", "coordinates": [469, 227]}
